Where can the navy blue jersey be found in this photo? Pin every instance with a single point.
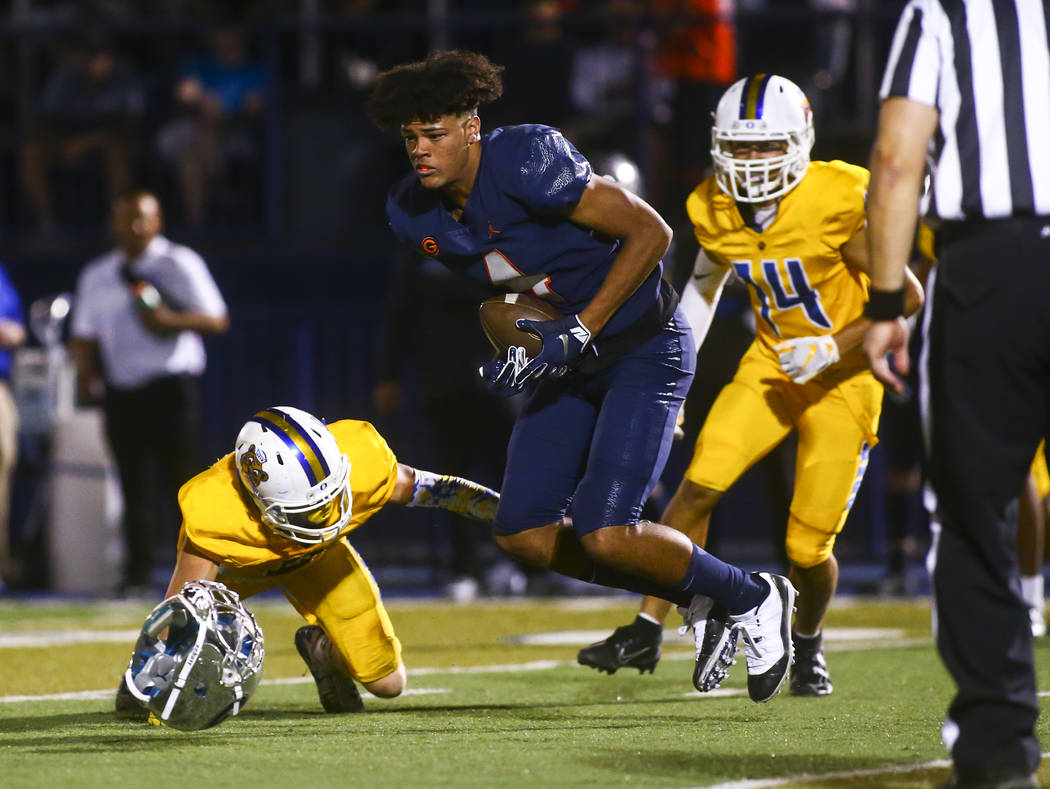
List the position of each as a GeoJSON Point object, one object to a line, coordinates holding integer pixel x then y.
{"type": "Point", "coordinates": [513, 232]}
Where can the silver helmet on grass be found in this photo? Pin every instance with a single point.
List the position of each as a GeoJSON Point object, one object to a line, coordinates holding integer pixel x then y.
{"type": "Point", "coordinates": [198, 657]}
{"type": "Point", "coordinates": [763, 108]}
{"type": "Point", "coordinates": [293, 469]}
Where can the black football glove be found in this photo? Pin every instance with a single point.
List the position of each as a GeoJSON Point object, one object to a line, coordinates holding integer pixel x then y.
{"type": "Point", "coordinates": [564, 343]}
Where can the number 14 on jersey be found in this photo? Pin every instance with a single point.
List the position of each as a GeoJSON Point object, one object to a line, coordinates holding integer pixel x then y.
{"type": "Point", "coordinates": [773, 292]}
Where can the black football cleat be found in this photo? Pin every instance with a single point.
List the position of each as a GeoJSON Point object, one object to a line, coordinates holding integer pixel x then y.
{"type": "Point", "coordinates": [336, 689]}
{"type": "Point", "coordinates": [634, 646]}
{"type": "Point", "coordinates": [809, 673]}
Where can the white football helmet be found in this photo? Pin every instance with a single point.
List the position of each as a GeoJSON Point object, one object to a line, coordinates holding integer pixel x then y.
{"type": "Point", "coordinates": [293, 469]}
{"type": "Point", "coordinates": [760, 109]}
{"type": "Point", "coordinates": [198, 657]}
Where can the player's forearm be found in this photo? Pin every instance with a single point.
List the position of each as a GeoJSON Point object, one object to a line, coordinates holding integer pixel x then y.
{"type": "Point", "coordinates": [698, 306]}
{"type": "Point", "coordinates": [851, 335]}
{"type": "Point", "coordinates": [892, 215]}
{"type": "Point", "coordinates": [898, 160]}
{"type": "Point", "coordinates": [639, 255]}
{"type": "Point", "coordinates": [190, 566]}
{"type": "Point", "coordinates": [454, 494]}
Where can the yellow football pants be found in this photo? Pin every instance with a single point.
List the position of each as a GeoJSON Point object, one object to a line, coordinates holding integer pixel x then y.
{"type": "Point", "coordinates": [837, 419]}
{"type": "Point", "coordinates": [337, 591]}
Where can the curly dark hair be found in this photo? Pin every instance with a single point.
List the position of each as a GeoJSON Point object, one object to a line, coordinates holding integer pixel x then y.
{"type": "Point", "coordinates": [446, 83]}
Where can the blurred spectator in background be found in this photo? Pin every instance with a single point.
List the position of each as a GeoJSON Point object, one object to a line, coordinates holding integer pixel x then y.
{"type": "Point", "coordinates": [12, 334]}
{"type": "Point", "coordinates": [615, 95]}
{"type": "Point", "coordinates": [220, 97]}
{"type": "Point", "coordinates": [429, 310]}
{"type": "Point", "coordinates": [135, 338]}
{"type": "Point", "coordinates": [538, 57]}
{"type": "Point", "coordinates": [87, 112]}
{"type": "Point", "coordinates": [696, 51]}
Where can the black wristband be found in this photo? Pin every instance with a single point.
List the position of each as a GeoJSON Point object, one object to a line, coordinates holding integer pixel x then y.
{"type": "Point", "coordinates": [884, 305]}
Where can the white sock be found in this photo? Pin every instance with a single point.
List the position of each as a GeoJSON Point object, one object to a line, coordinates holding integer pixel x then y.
{"type": "Point", "coordinates": [1032, 591]}
{"type": "Point", "coordinates": [647, 618]}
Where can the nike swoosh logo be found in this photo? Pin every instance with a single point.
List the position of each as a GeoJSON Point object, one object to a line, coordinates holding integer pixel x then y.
{"type": "Point", "coordinates": [626, 656]}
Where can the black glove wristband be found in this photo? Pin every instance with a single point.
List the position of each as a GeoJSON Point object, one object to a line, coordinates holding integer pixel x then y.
{"type": "Point", "coordinates": [884, 305]}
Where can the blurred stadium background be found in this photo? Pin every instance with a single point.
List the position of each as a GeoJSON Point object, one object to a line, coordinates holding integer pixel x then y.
{"type": "Point", "coordinates": [294, 230]}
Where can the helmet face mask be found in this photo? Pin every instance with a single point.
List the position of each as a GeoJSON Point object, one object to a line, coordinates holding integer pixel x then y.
{"type": "Point", "coordinates": [198, 657]}
{"type": "Point", "coordinates": [756, 110]}
{"type": "Point", "coordinates": [291, 466]}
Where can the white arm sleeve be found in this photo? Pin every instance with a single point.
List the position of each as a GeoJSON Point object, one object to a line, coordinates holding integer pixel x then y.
{"type": "Point", "coordinates": [700, 295]}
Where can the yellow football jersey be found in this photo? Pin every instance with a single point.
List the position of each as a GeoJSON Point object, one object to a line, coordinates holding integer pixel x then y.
{"type": "Point", "coordinates": [220, 521]}
{"type": "Point", "coordinates": [799, 284]}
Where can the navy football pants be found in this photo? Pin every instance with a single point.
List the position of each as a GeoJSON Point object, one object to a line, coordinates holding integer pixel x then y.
{"type": "Point", "coordinates": [593, 446]}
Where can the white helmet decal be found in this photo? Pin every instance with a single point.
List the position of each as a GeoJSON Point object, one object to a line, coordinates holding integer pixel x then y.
{"type": "Point", "coordinates": [759, 109]}
{"type": "Point", "coordinates": [292, 467]}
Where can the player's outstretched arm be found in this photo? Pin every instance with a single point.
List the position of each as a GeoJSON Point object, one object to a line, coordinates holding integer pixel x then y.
{"type": "Point", "coordinates": [190, 566]}
{"type": "Point", "coordinates": [418, 488]}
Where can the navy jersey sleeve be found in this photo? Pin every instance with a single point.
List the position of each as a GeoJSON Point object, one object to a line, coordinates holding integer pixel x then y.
{"type": "Point", "coordinates": [544, 171]}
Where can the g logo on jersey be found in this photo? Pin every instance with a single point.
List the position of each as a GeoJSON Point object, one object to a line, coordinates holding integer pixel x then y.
{"type": "Point", "coordinates": [251, 467]}
{"type": "Point", "coordinates": [430, 245]}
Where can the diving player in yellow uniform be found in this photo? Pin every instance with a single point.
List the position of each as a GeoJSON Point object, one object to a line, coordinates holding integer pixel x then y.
{"type": "Point", "coordinates": [794, 231]}
{"type": "Point", "coordinates": [276, 512]}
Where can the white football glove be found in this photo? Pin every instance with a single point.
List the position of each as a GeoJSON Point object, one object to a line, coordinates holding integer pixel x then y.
{"type": "Point", "coordinates": [805, 357]}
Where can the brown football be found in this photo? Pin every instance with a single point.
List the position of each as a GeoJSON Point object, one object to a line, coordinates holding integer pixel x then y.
{"type": "Point", "coordinates": [498, 316]}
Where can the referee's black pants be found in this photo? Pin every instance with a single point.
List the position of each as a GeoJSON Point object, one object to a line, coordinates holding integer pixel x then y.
{"type": "Point", "coordinates": [989, 398]}
{"type": "Point", "coordinates": [153, 431]}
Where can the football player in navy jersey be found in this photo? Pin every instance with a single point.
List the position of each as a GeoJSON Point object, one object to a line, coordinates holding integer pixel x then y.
{"type": "Point", "coordinates": [520, 208]}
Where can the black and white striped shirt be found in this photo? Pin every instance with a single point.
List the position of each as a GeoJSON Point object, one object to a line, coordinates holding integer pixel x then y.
{"type": "Point", "coordinates": [985, 66]}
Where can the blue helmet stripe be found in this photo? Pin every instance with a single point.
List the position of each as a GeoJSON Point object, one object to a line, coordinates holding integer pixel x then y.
{"type": "Point", "coordinates": [761, 96]}
{"type": "Point", "coordinates": [743, 97]}
{"type": "Point", "coordinates": [298, 441]}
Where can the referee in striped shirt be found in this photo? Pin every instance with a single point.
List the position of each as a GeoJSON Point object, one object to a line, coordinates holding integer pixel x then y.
{"type": "Point", "coordinates": [968, 82]}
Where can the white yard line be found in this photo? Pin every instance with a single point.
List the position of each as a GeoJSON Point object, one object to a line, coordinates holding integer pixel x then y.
{"type": "Point", "coordinates": [504, 668]}
{"type": "Point", "coordinates": [96, 695]}
{"type": "Point", "coordinates": [54, 638]}
{"type": "Point", "coordinates": [893, 769]}
{"type": "Point", "coordinates": [536, 665]}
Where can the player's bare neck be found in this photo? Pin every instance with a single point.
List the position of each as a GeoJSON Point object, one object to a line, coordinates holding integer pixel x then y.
{"type": "Point", "coordinates": [454, 203]}
{"type": "Point", "coordinates": [456, 193]}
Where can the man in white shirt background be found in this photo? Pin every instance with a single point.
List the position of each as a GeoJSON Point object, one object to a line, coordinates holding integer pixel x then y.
{"type": "Point", "coordinates": [136, 340]}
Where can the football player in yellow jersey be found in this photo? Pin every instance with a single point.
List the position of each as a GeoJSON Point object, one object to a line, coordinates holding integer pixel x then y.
{"type": "Point", "coordinates": [794, 231]}
{"type": "Point", "coordinates": [276, 512]}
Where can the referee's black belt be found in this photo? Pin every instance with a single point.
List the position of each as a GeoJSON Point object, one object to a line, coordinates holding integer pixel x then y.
{"type": "Point", "coordinates": [953, 232]}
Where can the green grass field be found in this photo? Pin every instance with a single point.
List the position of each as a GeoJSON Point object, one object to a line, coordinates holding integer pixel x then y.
{"type": "Point", "coordinates": [497, 701]}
